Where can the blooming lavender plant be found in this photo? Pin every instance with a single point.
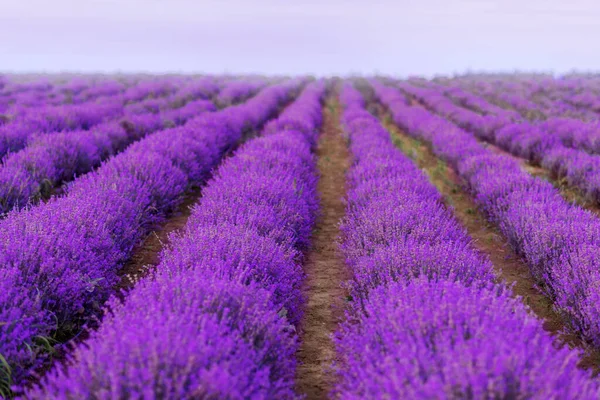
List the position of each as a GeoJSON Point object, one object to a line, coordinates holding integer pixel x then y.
{"type": "Point", "coordinates": [216, 319]}
{"type": "Point", "coordinates": [236, 90]}
{"type": "Point", "coordinates": [429, 319]}
{"type": "Point", "coordinates": [61, 279]}
{"type": "Point", "coordinates": [54, 158]}
{"type": "Point", "coordinates": [559, 144]}
{"type": "Point", "coordinates": [15, 134]}
{"type": "Point", "coordinates": [555, 238]}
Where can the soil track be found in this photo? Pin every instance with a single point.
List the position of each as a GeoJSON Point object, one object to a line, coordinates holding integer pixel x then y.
{"type": "Point", "coordinates": [146, 255]}
{"type": "Point", "coordinates": [324, 266]}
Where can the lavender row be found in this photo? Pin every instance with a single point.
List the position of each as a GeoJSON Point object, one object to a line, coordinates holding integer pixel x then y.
{"type": "Point", "coordinates": [38, 94]}
{"type": "Point", "coordinates": [237, 90]}
{"type": "Point", "coordinates": [510, 95]}
{"type": "Point", "coordinates": [149, 88]}
{"type": "Point", "coordinates": [572, 132]}
{"type": "Point", "coordinates": [559, 97]}
{"type": "Point", "coordinates": [51, 280]}
{"type": "Point", "coordinates": [524, 106]}
{"type": "Point", "coordinates": [533, 101]}
{"type": "Point", "coordinates": [428, 320]}
{"type": "Point", "coordinates": [578, 168]}
{"type": "Point", "coordinates": [15, 134]}
{"type": "Point", "coordinates": [469, 100]}
{"type": "Point", "coordinates": [466, 119]}
{"type": "Point", "coordinates": [177, 99]}
{"type": "Point", "coordinates": [587, 100]}
{"type": "Point", "coordinates": [558, 240]}
{"type": "Point", "coordinates": [17, 98]}
{"type": "Point", "coordinates": [174, 90]}
{"type": "Point", "coordinates": [54, 158]}
{"type": "Point", "coordinates": [74, 92]}
{"type": "Point", "coordinates": [557, 143]}
{"type": "Point", "coordinates": [179, 90]}
{"type": "Point", "coordinates": [552, 144]}
{"type": "Point", "coordinates": [216, 319]}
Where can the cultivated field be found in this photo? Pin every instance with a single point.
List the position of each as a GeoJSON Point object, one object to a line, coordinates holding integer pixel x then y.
{"type": "Point", "coordinates": [220, 237]}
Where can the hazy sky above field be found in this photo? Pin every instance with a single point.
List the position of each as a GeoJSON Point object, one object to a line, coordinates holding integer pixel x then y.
{"type": "Point", "coordinates": [328, 36]}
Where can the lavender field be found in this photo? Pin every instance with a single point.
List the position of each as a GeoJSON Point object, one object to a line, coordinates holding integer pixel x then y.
{"type": "Point", "coordinates": [255, 237]}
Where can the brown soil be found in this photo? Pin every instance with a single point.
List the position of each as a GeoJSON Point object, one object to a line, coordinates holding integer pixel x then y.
{"type": "Point", "coordinates": [146, 255]}
{"type": "Point", "coordinates": [324, 266]}
{"type": "Point", "coordinates": [487, 239]}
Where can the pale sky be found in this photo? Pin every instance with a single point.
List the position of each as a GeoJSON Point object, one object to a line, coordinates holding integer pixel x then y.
{"type": "Point", "coordinates": [400, 37]}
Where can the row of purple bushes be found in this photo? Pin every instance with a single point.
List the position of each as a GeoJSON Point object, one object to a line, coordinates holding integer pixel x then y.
{"type": "Point", "coordinates": [428, 319]}
{"type": "Point", "coordinates": [217, 318]}
{"type": "Point", "coordinates": [60, 260]}
{"type": "Point", "coordinates": [558, 240]}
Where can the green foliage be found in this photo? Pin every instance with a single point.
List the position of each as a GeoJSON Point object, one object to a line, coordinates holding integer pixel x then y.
{"type": "Point", "coordinates": [5, 378]}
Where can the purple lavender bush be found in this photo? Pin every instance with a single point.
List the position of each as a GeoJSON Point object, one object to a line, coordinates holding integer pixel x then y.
{"type": "Point", "coordinates": [237, 90]}
{"type": "Point", "coordinates": [559, 144]}
{"type": "Point", "coordinates": [428, 318]}
{"type": "Point", "coordinates": [216, 319]}
{"type": "Point", "coordinates": [61, 279]}
{"type": "Point", "coordinates": [558, 240]}
{"type": "Point", "coordinates": [50, 159]}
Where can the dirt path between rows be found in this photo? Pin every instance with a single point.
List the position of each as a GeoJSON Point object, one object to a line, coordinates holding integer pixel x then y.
{"type": "Point", "coordinates": [487, 238]}
{"type": "Point", "coordinates": [146, 255]}
{"type": "Point", "coordinates": [324, 266]}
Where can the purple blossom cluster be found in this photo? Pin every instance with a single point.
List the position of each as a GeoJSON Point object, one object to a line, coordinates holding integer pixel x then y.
{"type": "Point", "coordinates": [576, 134]}
{"type": "Point", "coordinates": [217, 317]}
{"type": "Point", "coordinates": [15, 134]}
{"type": "Point", "coordinates": [427, 318]}
{"type": "Point", "coordinates": [236, 90]}
{"type": "Point", "coordinates": [556, 144]}
{"type": "Point", "coordinates": [558, 240]}
{"type": "Point", "coordinates": [60, 260]}
{"type": "Point", "coordinates": [24, 122]}
{"type": "Point", "coordinates": [15, 95]}
{"type": "Point", "coordinates": [579, 168]}
{"type": "Point", "coordinates": [472, 101]}
{"type": "Point", "coordinates": [50, 159]}
{"type": "Point", "coordinates": [149, 88]}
